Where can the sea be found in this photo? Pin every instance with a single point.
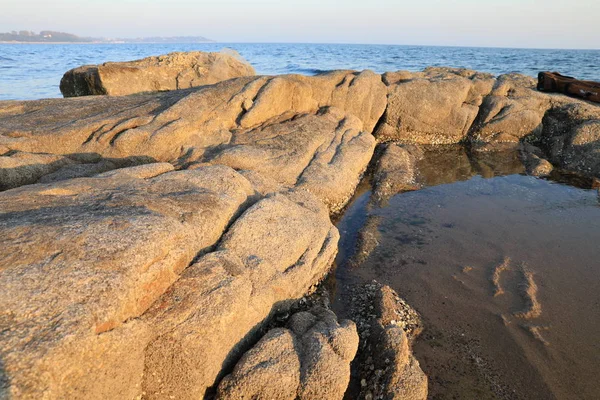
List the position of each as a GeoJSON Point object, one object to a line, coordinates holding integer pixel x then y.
{"type": "Point", "coordinates": [33, 71]}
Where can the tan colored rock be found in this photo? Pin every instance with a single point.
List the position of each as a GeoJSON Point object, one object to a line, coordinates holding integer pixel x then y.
{"type": "Point", "coordinates": [82, 257]}
{"type": "Point", "coordinates": [512, 111]}
{"type": "Point", "coordinates": [270, 370]}
{"type": "Point", "coordinates": [324, 153]}
{"type": "Point", "coordinates": [19, 168]}
{"type": "Point", "coordinates": [436, 106]}
{"type": "Point", "coordinates": [272, 254]}
{"type": "Point", "coordinates": [320, 140]}
{"type": "Point", "coordinates": [308, 360]}
{"type": "Point", "coordinates": [400, 375]}
{"type": "Point", "coordinates": [395, 172]}
{"type": "Point", "coordinates": [98, 300]}
{"type": "Point", "coordinates": [172, 71]}
{"type": "Point", "coordinates": [571, 137]}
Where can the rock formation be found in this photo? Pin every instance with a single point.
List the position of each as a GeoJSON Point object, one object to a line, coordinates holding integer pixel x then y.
{"type": "Point", "coordinates": [97, 269]}
{"type": "Point", "coordinates": [387, 326]}
{"type": "Point", "coordinates": [436, 106]}
{"type": "Point", "coordinates": [149, 239]}
{"type": "Point", "coordinates": [395, 171]}
{"type": "Point", "coordinates": [449, 105]}
{"type": "Point", "coordinates": [167, 72]}
{"type": "Point", "coordinates": [312, 132]}
{"type": "Point", "coordinates": [310, 359]}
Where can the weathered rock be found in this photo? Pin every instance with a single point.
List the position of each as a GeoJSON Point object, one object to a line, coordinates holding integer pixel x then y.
{"type": "Point", "coordinates": [401, 377]}
{"type": "Point", "coordinates": [571, 137]}
{"type": "Point", "coordinates": [397, 373]}
{"type": "Point", "coordinates": [534, 161]}
{"type": "Point", "coordinates": [436, 106]}
{"type": "Point", "coordinates": [566, 128]}
{"type": "Point", "coordinates": [19, 168]}
{"type": "Point", "coordinates": [310, 359]}
{"type": "Point", "coordinates": [85, 258]}
{"type": "Point", "coordinates": [172, 71]}
{"type": "Point", "coordinates": [270, 256]}
{"type": "Point", "coordinates": [82, 257]}
{"type": "Point", "coordinates": [512, 111]}
{"type": "Point", "coordinates": [395, 171]}
{"type": "Point", "coordinates": [314, 128]}
{"type": "Point", "coordinates": [324, 153]}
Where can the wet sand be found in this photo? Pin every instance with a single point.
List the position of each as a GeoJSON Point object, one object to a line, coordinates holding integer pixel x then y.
{"type": "Point", "coordinates": [505, 272]}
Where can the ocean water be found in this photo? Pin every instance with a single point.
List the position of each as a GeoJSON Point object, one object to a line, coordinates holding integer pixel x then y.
{"type": "Point", "coordinates": [33, 71]}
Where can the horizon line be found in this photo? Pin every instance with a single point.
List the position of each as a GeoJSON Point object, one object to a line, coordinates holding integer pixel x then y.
{"type": "Point", "coordinates": [212, 41]}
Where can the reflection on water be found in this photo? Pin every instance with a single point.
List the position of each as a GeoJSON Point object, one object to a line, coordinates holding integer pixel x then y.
{"type": "Point", "coordinates": [504, 269]}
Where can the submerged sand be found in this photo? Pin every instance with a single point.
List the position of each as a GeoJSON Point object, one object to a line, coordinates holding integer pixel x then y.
{"type": "Point", "coordinates": [504, 271]}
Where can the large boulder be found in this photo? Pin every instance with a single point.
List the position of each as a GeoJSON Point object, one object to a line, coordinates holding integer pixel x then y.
{"type": "Point", "coordinates": [571, 137]}
{"type": "Point", "coordinates": [324, 153]}
{"type": "Point", "coordinates": [172, 71]}
{"type": "Point", "coordinates": [512, 111]}
{"type": "Point", "coordinates": [304, 131]}
{"type": "Point", "coordinates": [565, 128]}
{"type": "Point", "coordinates": [271, 256]}
{"type": "Point", "coordinates": [308, 360]}
{"type": "Point", "coordinates": [99, 299]}
{"type": "Point", "coordinates": [436, 106]}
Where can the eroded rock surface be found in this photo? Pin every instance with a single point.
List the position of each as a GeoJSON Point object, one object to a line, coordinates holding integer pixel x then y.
{"type": "Point", "coordinates": [171, 71]}
{"type": "Point", "coordinates": [436, 106]}
{"type": "Point", "coordinates": [395, 171]}
{"type": "Point", "coordinates": [309, 359]}
{"type": "Point", "coordinates": [513, 110]}
{"type": "Point", "coordinates": [269, 258]}
{"type": "Point", "coordinates": [571, 137]}
{"type": "Point", "coordinates": [387, 326]}
{"type": "Point", "coordinates": [311, 132]}
{"type": "Point", "coordinates": [98, 299]}
{"type": "Point", "coordinates": [163, 231]}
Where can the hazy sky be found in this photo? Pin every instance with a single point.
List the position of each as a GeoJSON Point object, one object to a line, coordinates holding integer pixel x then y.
{"type": "Point", "coordinates": [506, 23]}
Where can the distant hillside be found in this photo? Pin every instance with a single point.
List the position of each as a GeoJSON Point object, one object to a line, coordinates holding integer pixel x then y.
{"type": "Point", "coordinates": [43, 36]}
{"type": "Point", "coordinates": [62, 37]}
{"type": "Point", "coordinates": [157, 39]}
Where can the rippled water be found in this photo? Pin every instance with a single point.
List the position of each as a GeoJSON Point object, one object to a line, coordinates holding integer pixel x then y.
{"type": "Point", "coordinates": [31, 71]}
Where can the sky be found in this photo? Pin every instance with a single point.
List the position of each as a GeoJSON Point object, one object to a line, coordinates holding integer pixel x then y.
{"type": "Point", "coordinates": [493, 23]}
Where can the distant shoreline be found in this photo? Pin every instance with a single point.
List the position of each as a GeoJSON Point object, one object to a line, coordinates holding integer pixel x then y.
{"type": "Point", "coordinates": [13, 42]}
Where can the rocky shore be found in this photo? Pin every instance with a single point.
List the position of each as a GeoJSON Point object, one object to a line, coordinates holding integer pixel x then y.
{"type": "Point", "coordinates": [150, 240]}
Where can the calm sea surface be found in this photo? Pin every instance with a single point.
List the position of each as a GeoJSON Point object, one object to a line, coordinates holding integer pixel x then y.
{"type": "Point", "coordinates": [33, 71]}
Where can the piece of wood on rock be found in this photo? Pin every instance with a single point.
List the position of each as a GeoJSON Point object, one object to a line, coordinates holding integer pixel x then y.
{"type": "Point", "coordinates": [307, 360]}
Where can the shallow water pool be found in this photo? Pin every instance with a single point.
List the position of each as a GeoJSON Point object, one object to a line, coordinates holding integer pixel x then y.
{"type": "Point", "coordinates": [504, 269]}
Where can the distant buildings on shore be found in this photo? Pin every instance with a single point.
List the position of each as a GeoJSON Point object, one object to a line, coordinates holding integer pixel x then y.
{"type": "Point", "coordinates": [62, 37]}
